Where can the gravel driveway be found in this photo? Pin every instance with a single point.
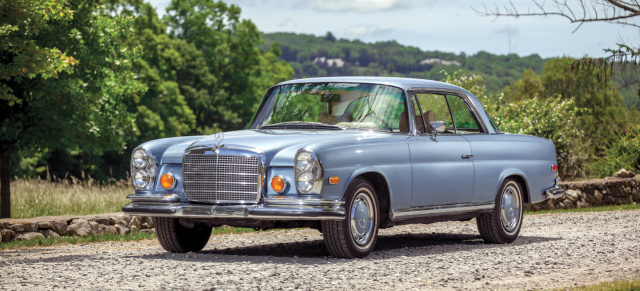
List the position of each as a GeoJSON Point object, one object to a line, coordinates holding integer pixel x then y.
{"type": "Point", "coordinates": [553, 250]}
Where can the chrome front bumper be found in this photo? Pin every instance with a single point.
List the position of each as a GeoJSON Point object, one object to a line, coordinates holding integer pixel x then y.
{"type": "Point", "coordinates": [555, 192]}
{"type": "Point", "coordinates": [270, 209]}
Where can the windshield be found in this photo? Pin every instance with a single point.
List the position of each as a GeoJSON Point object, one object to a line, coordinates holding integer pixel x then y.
{"type": "Point", "coordinates": [341, 105]}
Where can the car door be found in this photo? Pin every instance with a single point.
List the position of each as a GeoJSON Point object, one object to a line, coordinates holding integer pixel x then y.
{"type": "Point", "coordinates": [441, 160]}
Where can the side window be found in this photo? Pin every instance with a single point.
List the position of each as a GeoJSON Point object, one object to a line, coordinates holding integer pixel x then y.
{"type": "Point", "coordinates": [434, 108]}
{"type": "Point", "coordinates": [464, 119]}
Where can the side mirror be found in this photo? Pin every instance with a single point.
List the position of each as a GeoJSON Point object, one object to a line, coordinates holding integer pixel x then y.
{"type": "Point", "coordinates": [435, 125]}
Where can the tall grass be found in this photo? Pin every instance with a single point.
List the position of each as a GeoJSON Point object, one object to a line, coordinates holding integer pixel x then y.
{"type": "Point", "coordinates": [32, 198]}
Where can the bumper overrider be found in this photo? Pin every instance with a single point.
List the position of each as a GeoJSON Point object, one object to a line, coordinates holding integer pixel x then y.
{"type": "Point", "coordinates": [269, 209]}
{"type": "Point", "coordinates": [554, 192]}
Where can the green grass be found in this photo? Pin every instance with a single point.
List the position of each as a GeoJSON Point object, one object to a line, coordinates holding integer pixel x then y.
{"type": "Point", "coordinates": [590, 209]}
{"type": "Point", "coordinates": [228, 230]}
{"type": "Point", "coordinates": [33, 198]}
{"type": "Point", "coordinates": [74, 240]}
{"type": "Point", "coordinates": [617, 285]}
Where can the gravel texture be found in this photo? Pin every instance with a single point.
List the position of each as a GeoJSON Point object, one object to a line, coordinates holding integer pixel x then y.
{"type": "Point", "coordinates": [553, 250]}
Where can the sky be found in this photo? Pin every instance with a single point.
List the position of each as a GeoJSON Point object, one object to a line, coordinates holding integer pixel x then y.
{"type": "Point", "coordinates": [447, 26]}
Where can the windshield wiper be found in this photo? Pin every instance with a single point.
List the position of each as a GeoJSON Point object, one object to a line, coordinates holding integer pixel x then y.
{"type": "Point", "coordinates": [301, 125]}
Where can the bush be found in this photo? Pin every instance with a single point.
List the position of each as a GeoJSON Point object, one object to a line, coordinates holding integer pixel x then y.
{"type": "Point", "coordinates": [621, 152]}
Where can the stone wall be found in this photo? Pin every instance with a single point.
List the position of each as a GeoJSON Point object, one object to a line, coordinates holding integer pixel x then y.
{"type": "Point", "coordinates": [624, 188]}
{"type": "Point", "coordinates": [56, 226]}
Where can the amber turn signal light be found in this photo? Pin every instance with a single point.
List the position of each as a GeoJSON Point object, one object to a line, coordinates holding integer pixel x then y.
{"type": "Point", "coordinates": [167, 181]}
{"type": "Point", "coordinates": [334, 180]}
{"type": "Point", "coordinates": [278, 184]}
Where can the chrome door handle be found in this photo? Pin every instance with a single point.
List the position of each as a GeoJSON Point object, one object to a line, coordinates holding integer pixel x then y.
{"type": "Point", "coordinates": [467, 156]}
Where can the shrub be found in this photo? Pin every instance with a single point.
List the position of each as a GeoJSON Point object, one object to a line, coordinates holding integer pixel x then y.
{"type": "Point", "coordinates": [621, 152]}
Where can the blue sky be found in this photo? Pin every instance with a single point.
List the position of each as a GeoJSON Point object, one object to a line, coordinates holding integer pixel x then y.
{"type": "Point", "coordinates": [449, 26]}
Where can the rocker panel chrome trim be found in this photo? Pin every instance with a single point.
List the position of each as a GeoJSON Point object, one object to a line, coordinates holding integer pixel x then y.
{"type": "Point", "coordinates": [438, 210]}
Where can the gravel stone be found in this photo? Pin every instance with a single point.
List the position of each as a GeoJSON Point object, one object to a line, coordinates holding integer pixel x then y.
{"type": "Point", "coordinates": [552, 251]}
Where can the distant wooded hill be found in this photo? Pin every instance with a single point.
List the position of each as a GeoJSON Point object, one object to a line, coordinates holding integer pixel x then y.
{"type": "Point", "coordinates": [313, 56]}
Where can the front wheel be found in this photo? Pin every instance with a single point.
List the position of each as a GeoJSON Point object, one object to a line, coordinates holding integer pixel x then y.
{"type": "Point", "coordinates": [503, 223]}
{"type": "Point", "coordinates": [176, 238]}
{"type": "Point", "coordinates": [356, 235]}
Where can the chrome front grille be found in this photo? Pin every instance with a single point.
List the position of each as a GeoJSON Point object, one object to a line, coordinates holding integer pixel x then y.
{"type": "Point", "coordinates": [215, 178]}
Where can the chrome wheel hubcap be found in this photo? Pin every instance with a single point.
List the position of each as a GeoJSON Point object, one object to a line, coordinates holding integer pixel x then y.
{"type": "Point", "coordinates": [510, 208]}
{"type": "Point", "coordinates": [361, 219]}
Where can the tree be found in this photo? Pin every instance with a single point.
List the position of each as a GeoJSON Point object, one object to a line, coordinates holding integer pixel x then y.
{"type": "Point", "coordinates": [606, 112]}
{"type": "Point", "coordinates": [239, 69]}
{"type": "Point", "coordinates": [624, 58]}
{"type": "Point", "coordinates": [64, 77]}
{"type": "Point", "coordinates": [162, 111]}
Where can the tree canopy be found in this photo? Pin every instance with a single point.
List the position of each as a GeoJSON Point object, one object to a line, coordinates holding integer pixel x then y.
{"type": "Point", "coordinates": [65, 75]}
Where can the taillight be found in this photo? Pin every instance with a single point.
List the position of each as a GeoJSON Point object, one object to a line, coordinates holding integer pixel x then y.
{"type": "Point", "coordinates": [554, 168]}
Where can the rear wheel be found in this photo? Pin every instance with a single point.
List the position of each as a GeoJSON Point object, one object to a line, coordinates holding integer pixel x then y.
{"type": "Point", "coordinates": [356, 235]}
{"type": "Point", "coordinates": [176, 238]}
{"type": "Point", "coordinates": [503, 223]}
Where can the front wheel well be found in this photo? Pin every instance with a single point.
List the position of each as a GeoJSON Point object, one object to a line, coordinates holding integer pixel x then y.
{"type": "Point", "coordinates": [382, 192]}
{"type": "Point", "coordinates": [523, 186]}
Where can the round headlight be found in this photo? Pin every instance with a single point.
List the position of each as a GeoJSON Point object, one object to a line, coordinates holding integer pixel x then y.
{"type": "Point", "coordinates": [141, 179]}
{"type": "Point", "coordinates": [151, 168]}
{"type": "Point", "coordinates": [139, 159]}
{"type": "Point", "coordinates": [308, 172]}
{"type": "Point", "coordinates": [304, 161]}
{"type": "Point", "coordinates": [305, 182]}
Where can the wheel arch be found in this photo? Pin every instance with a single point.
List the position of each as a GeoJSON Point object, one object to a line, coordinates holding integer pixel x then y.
{"type": "Point", "coordinates": [519, 177]}
{"type": "Point", "coordinates": [380, 185]}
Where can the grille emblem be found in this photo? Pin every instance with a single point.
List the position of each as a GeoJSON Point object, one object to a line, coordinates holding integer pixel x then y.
{"type": "Point", "coordinates": [219, 137]}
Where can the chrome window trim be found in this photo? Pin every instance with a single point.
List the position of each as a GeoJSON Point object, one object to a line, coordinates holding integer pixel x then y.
{"type": "Point", "coordinates": [465, 98]}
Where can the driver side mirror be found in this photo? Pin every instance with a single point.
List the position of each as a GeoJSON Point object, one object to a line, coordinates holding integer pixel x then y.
{"type": "Point", "coordinates": [434, 127]}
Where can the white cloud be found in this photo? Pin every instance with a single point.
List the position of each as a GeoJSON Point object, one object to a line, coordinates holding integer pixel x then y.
{"type": "Point", "coordinates": [360, 5]}
{"type": "Point", "coordinates": [361, 30]}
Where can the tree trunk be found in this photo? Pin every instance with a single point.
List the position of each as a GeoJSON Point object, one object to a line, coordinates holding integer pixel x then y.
{"type": "Point", "coordinates": [5, 184]}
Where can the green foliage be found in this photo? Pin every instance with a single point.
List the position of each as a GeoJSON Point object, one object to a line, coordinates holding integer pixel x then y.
{"type": "Point", "coordinates": [66, 73]}
{"type": "Point", "coordinates": [548, 118]}
{"type": "Point", "coordinates": [204, 68]}
{"type": "Point", "coordinates": [606, 112]}
{"type": "Point", "coordinates": [305, 52]}
{"type": "Point", "coordinates": [623, 151]}
{"type": "Point", "coordinates": [81, 107]}
{"type": "Point", "coordinates": [238, 70]}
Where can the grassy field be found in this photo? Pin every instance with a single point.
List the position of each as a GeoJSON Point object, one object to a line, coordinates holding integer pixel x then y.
{"type": "Point", "coordinates": [32, 198]}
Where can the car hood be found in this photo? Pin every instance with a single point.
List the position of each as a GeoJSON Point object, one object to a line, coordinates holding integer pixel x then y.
{"type": "Point", "coordinates": [279, 146]}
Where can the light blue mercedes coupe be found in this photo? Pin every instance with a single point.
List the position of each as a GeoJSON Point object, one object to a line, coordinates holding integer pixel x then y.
{"type": "Point", "coordinates": [345, 156]}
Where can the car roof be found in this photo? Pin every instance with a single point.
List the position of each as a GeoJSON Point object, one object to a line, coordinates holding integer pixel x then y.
{"type": "Point", "coordinates": [404, 83]}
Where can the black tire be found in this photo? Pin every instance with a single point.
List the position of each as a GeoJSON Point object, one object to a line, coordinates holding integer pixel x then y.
{"type": "Point", "coordinates": [354, 238]}
{"type": "Point", "coordinates": [503, 223]}
{"type": "Point", "coordinates": [176, 238]}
